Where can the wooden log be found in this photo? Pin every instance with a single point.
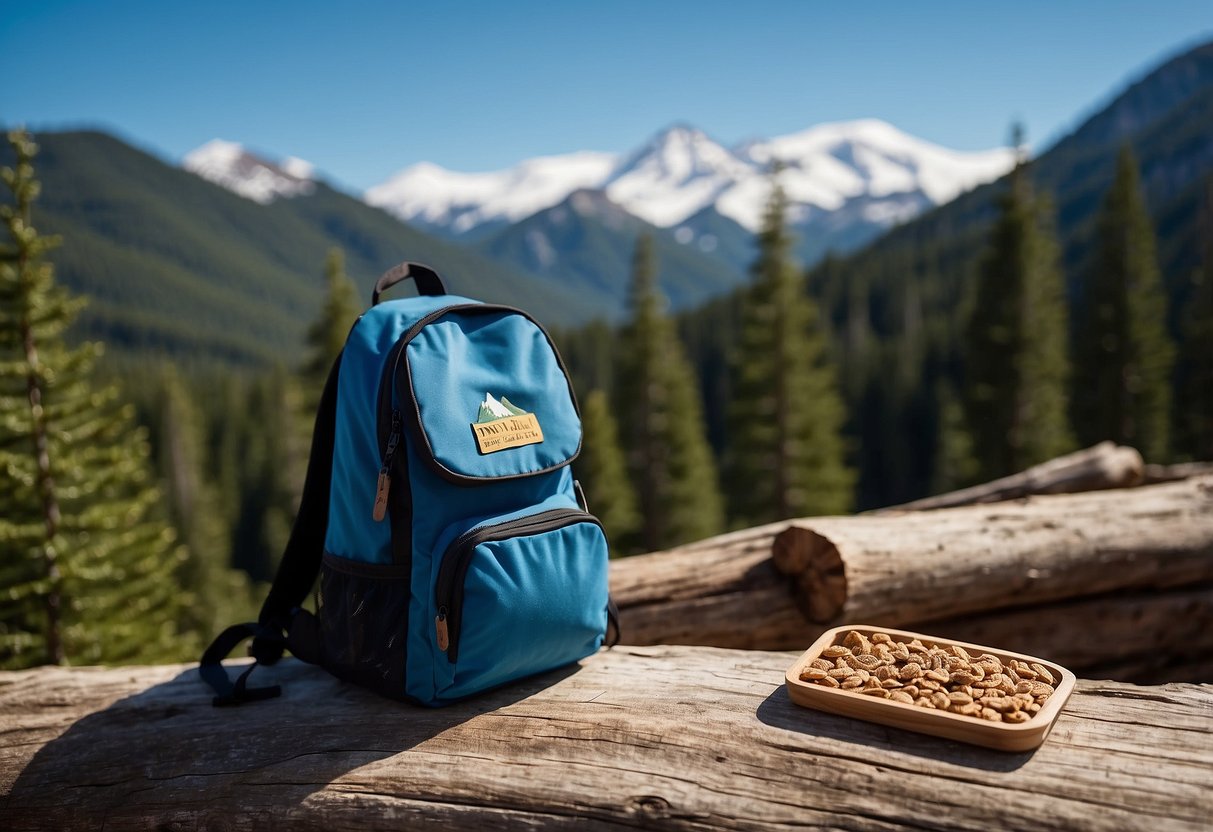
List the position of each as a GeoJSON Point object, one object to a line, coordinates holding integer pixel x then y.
{"type": "Point", "coordinates": [1155, 669]}
{"type": "Point", "coordinates": [1142, 637]}
{"type": "Point", "coordinates": [722, 592]}
{"type": "Point", "coordinates": [1105, 465]}
{"type": "Point", "coordinates": [924, 566]}
{"type": "Point", "coordinates": [954, 563]}
{"type": "Point", "coordinates": [1178, 471]}
{"type": "Point", "coordinates": [666, 737]}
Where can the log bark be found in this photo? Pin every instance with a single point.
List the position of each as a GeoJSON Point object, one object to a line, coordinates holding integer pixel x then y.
{"type": "Point", "coordinates": [1179, 471]}
{"type": "Point", "coordinates": [666, 737]}
{"type": "Point", "coordinates": [723, 592]}
{"type": "Point", "coordinates": [1142, 637]}
{"type": "Point", "coordinates": [778, 586]}
{"type": "Point", "coordinates": [924, 566]}
{"type": "Point", "coordinates": [1024, 576]}
{"type": "Point", "coordinates": [1101, 466]}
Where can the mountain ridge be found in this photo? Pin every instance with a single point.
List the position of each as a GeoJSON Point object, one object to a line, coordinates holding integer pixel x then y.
{"type": "Point", "coordinates": [680, 172]}
{"type": "Point", "coordinates": [173, 263]}
{"type": "Point", "coordinates": [896, 306]}
{"type": "Point", "coordinates": [588, 241]}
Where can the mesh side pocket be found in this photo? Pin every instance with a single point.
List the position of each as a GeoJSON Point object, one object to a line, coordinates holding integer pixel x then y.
{"type": "Point", "coordinates": [363, 625]}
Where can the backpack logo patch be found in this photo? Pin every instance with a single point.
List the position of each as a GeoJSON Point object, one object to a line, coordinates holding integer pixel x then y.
{"type": "Point", "coordinates": [501, 424]}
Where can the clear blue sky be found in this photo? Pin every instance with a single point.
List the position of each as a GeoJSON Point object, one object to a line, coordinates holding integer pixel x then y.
{"type": "Point", "coordinates": [364, 89]}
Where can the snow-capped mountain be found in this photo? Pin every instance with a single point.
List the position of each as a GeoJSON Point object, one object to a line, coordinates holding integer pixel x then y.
{"type": "Point", "coordinates": [830, 164]}
{"type": "Point", "coordinates": [879, 173]}
{"type": "Point", "coordinates": [677, 174]}
{"type": "Point", "coordinates": [491, 409]}
{"type": "Point", "coordinates": [228, 164]}
{"type": "Point", "coordinates": [434, 197]}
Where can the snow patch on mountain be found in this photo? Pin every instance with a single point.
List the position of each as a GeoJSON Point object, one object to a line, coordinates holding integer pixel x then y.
{"type": "Point", "coordinates": [681, 171]}
{"type": "Point", "coordinates": [229, 165]}
{"type": "Point", "coordinates": [435, 196]}
{"type": "Point", "coordinates": [678, 173]}
{"type": "Point", "coordinates": [829, 164]}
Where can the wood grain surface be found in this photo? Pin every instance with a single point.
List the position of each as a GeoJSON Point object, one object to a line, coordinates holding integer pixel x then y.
{"type": "Point", "coordinates": [636, 737]}
{"type": "Point", "coordinates": [1131, 568]}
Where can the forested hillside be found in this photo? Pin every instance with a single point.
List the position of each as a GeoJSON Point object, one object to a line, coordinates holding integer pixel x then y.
{"type": "Point", "coordinates": [1069, 302]}
{"type": "Point", "coordinates": [176, 266]}
{"type": "Point", "coordinates": [897, 309]}
{"type": "Point", "coordinates": [586, 242]}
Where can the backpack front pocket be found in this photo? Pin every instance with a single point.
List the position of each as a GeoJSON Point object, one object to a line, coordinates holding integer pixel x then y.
{"type": "Point", "coordinates": [518, 597]}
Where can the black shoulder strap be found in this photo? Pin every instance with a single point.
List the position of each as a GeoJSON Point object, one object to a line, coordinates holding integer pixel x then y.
{"type": "Point", "coordinates": [300, 562]}
{"type": "Point", "coordinates": [296, 572]}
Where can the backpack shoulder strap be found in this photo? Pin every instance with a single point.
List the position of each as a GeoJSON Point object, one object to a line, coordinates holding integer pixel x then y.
{"type": "Point", "coordinates": [296, 573]}
{"type": "Point", "coordinates": [304, 551]}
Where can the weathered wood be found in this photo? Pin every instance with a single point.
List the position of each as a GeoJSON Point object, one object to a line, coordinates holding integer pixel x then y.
{"type": "Point", "coordinates": [1143, 637]}
{"type": "Point", "coordinates": [1178, 471]}
{"type": "Point", "coordinates": [1105, 465]}
{"type": "Point", "coordinates": [922, 566]}
{"type": "Point", "coordinates": [660, 737]}
{"type": "Point", "coordinates": [723, 592]}
{"type": "Point", "coordinates": [1009, 568]}
{"type": "Point", "coordinates": [1187, 667]}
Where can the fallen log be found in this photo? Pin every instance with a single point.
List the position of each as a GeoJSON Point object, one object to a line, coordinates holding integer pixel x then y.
{"type": "Point", "coordinates": [666, 737]}
{"type": "Point", "coordinates": [1143, 637]}
{"type": "Point", "coordinates": [723, 592]}
{"type": "Point", "coordinates": [1178, 471]}
{"type": "Point", "coordinates": [1101, 466]}
{"type": "Point", "coordinates": [993, 569]}
{"type": "Point", "coordinates": [923, 566]}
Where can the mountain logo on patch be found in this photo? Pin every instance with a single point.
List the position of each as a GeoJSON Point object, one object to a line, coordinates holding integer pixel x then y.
{"type": "Point", "coordinates": [491, 409]}
{"type": "Point", "coordinates": [501, 424]}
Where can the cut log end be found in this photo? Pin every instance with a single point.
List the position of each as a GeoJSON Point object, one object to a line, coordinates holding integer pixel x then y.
{"type": "Point", "coordinates": [817, 566]}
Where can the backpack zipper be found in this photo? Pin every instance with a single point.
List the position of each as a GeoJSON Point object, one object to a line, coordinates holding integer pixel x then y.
{"type": "Point", "coordinates": [385, 469]}
{"type": "Point", "coordinates": [448, 588]}
{"type": "Point", "coordinates": [387, 389]}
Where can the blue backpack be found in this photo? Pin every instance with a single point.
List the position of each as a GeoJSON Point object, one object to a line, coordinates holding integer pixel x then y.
{"type": "Point", "coordinates": [439, 511]}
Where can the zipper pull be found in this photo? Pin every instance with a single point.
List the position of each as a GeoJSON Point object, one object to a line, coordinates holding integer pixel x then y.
{"type": "Point", "coordinates": [384, 484]}
{"type": "Point", "coordinates": [381, 492]}
{"type": "Point", "coordinates": [444, 636]}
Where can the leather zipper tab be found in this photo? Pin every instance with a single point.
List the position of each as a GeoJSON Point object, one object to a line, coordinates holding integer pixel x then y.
{"type": "Point", "coordinates": [381, 492]}
{"type": "Point", "coordinates": [440, 629]}
{"type": "Point", "coordinates": [385, 471]}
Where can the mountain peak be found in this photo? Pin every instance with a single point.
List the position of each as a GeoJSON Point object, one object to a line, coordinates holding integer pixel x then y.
{"type": "Point", "coordinates": [828, 164]}
{"type": "Point", "coordinates": [231, 166]}
{"type": "Point", "coordinates": [678, 131]}
{"type": "Point", "coordinates": [439, 199]}
{"type": "Point", "coordinates": [681, 171]}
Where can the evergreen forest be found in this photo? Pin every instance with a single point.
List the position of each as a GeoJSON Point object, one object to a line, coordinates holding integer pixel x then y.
{"type": "Point", "coordinates": [147, 494]}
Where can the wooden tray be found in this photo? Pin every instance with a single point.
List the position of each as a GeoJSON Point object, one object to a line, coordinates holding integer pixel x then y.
{"type": "Point", "coordinates": [998, 735]}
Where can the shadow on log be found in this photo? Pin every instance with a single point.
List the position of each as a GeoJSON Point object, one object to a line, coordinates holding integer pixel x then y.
{"type": "Point", "coordinates": [1025, 573]}
{"type": "Point", "coordinates": [659, 737]}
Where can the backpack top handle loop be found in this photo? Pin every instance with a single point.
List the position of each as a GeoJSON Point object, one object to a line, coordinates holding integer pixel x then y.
{"type": "Point", "coordinates": [427, 280]}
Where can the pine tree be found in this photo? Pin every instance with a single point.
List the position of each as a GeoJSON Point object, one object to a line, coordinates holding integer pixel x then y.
{"type": "Point", "coordinates": [326, 336]}
{"type": "Point", "coordinates": [272, 463]}
{"type": "Point", "coordinates": [954, 465]}
{"type": "Point", "coordinates": [1015, 344]}
{"type": "Point", "coordinates": [86, 563]}
{"type": "Point", "coordinates": [1194, 413]}
{"type": "Point", "coordinates": [221, 594]}
{"type": "Point", "coordinates": [1123, 379]}
{"type": "Point", "coordinates": [785, 453]}
{"type": "Point", "coordinates": [661, 418]}
{"type": "Point", "coordinates": [603, 473]}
